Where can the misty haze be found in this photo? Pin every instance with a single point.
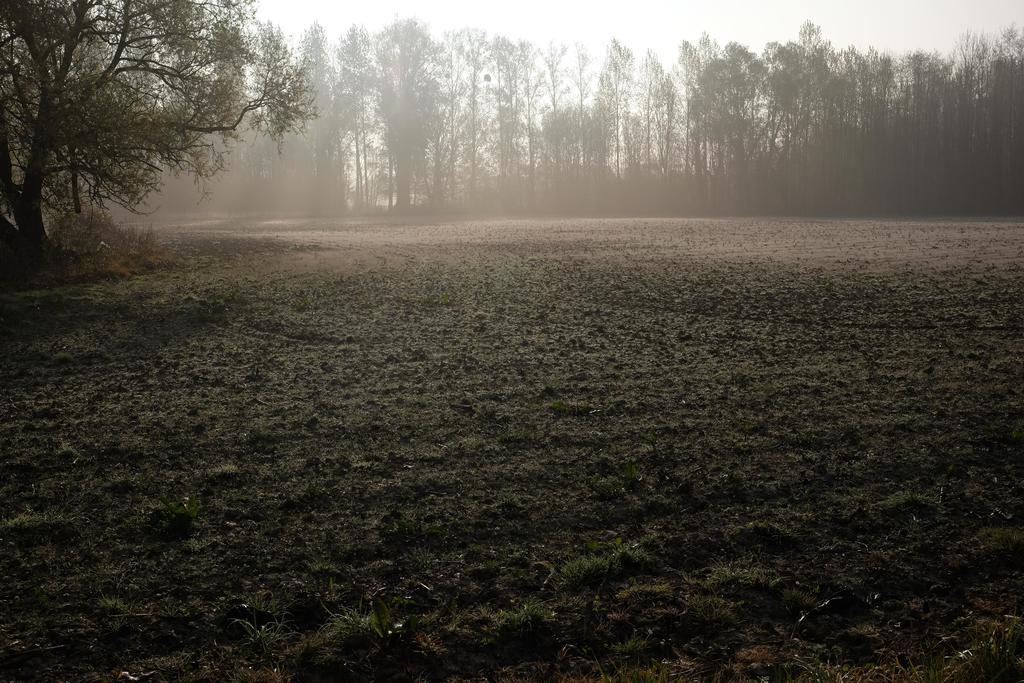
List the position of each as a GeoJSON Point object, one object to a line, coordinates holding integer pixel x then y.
{"type": "Point", "coordinates": [525, 342]}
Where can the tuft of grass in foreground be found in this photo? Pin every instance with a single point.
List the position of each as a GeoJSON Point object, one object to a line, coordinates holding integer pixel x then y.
{"type": "Point", "coordinates": [175, 518]}
{"type": "Point", "coordinates": [616, 561]}
{"type": "Point", "coordinates": [712, 609]}
{"type": "Point", "coordinates": [529, 618]}
{"type": "Point", "coordinates": [1003, 540]}
{"type": "Point", "coordinates": [745, 577]}
{"type": "Point", "coordinates": [36, 527]}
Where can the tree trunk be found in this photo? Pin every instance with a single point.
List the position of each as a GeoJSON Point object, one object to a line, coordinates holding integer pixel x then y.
{"type": "Point", "coordinates": [30, 236]}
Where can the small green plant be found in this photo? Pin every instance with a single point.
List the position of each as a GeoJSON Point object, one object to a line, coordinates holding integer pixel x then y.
{"type": "Point", "coordinates": [36, 527]}
{"type": "Point", "coordinates": [723, 575]}
{"type": "Point", "coordinates": [399, 525]}
{"type": "Point", "coordinates": [353, 627]}
{"type": "Point", "coordinates": [607, 561]}
{"type": "Point", "coordinates": [1003, 540]}
{"type": "Point", "coordinates": [798, 601]}
{"type": "Point", "coordinates": [574, 409]}
{"type": "Point", "coordinates": [580, 572]}
{"type": "Point", "coordinates": [265, 637]}
{"type": "Point", "coordinates": [114, 606]}
{"type": "Point", "coordinates": [176, 517]}
{"type": "Point", "coordinates": [711, 609]}
{"type": "Point", "coordinates": [631, 476]}
{"type": "Point", "coordinates": [530, 617]}
{"type": "Point", "coordinates": [762, 532]}
{"type": "Point", "coordinates": [905, 500]}
{"type": "Point", "coordinates": [634, 648]}
{"type": "Point", "coordinates": [645, 592]}
{"type": "Point", "coordinates": [227, 470]}
{"type": "Point", "coordinates": [262, 435]}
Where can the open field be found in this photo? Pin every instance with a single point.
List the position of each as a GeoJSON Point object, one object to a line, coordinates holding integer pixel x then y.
{"type": "Point", "coordinates": [515, 448]}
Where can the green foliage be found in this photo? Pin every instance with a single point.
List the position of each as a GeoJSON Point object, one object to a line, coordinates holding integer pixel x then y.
{"type": "Point", "coordinates": [606, 561]}
{"type": "Point", "coordinates": [799, 601]}
{"type": "Point", "coordinates": [176, 517]}
{"type": "Point", "coordinates": [1004, 540]}
{"type": "Point", "coordinates": [529, 618]}
{"type": "Point", "coordinates": [36, 527]}
{"type": "Point", "coordinates": [712, 609]}
{"type": "Point", "coordinates": [351, 627]}
{"type": "Point", "coordinates": [634, 648]}
{"type": "Point", "coordinates": [722, 575]}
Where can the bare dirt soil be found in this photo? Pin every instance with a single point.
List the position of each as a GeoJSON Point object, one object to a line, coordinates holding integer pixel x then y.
{"type": "Point", "coordinates": [520, 448]}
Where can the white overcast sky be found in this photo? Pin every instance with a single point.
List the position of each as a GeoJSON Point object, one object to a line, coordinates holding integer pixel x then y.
{"type": "Point", "coordinates": [894, 25]}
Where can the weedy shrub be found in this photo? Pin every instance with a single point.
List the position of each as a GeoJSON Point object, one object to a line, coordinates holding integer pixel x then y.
{"type": "Point", "coordinates": [91, 246]}
{"type": "Point", "coordinates": [175, 518]}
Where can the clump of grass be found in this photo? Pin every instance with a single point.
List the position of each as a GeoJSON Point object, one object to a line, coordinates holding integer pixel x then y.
{"type": "Point", "coordinates": [997, 653]}
{"type": "Point", "coordinates": [265, 637]}
{"type": "Point", "coordinates": [634, 648]}
{"type": "Point", "coordinates": [175, 518]}
{"type": "Point", "coordinates": [262, 435]}
{"type": "Point", "coordinates": [351, 627]}
{"type": "Point", "coordinates": [607, 561]}
{"type": "Point", "coordinates": [711, 609]}
{"type": "Point", "coordinates": [566, 408]}
{"type": "Point", "coordinates": [722, 575]}
{"type": "Point", "coordinates": [645, 592]}
{"type": "Point", "coordinates": [113, 605]}
{"type": "Point", "coordinates": [904, 500]}
{"type": "Point", "coordinates": [799, 601]}
{"type": "Point", "coordinates": [627, 479]}
{"type": "Point", "coordinates": [398, 525]}
{"type": "Point", "coordinates": [36, 527]}
{"type": "Point", "coordinates": [588, 570]}
{"type": "Point", "coordinates": [530, 617]}
{"type": "Point", "coordinates": [1003, 540]}
{"type": "Point", "coordinates": [762, 532]}
{"type": "Point", "coordinates": [227, 470]}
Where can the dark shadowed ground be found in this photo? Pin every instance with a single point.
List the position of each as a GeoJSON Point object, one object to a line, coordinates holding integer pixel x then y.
{"type": "Point", "coordinates": [523, 448]}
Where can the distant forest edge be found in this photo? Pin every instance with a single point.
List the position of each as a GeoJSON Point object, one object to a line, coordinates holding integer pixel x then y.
{"type": "Point", "coordinates": [478, 123]}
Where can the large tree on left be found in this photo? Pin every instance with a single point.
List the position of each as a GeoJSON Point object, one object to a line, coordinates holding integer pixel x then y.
{"type": "Point", "coordinates": [99, 97]}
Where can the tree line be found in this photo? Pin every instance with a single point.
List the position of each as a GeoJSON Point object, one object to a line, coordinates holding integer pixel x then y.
{"type": "Point", "coordinates": [471, 122]}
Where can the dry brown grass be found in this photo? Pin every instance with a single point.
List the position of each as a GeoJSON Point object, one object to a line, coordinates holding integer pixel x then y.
{"type": "Point", "coordinates": [87, 247]}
